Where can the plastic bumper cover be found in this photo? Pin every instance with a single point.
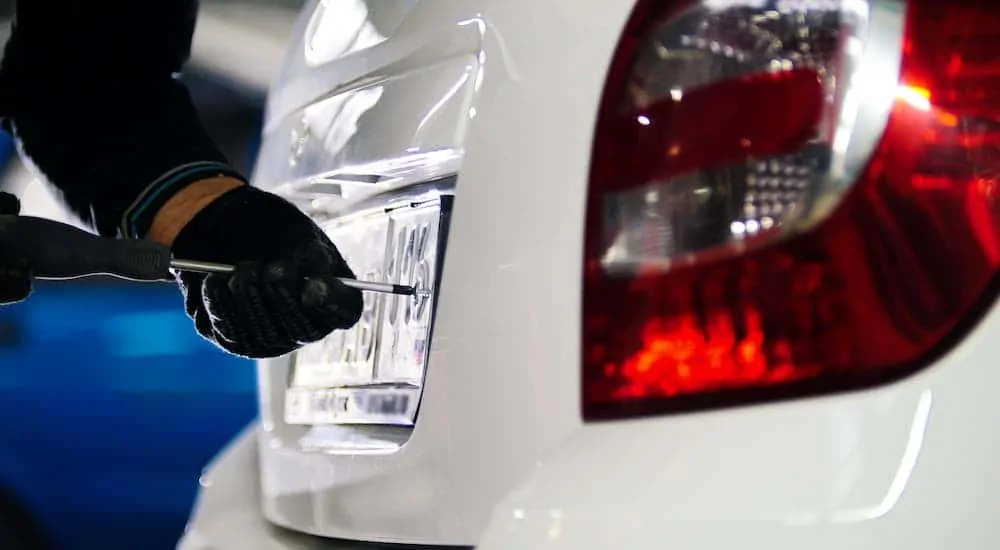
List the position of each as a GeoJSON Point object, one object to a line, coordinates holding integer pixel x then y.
{"type": "Point", "coordinates": [227, 514]}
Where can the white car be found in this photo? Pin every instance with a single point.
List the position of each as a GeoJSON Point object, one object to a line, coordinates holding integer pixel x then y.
{"type": "Point", "coordinates": [702, 274]}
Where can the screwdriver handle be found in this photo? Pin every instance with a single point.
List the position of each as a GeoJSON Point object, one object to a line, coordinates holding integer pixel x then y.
{"type": "Point", "coordinates": [60, 251]}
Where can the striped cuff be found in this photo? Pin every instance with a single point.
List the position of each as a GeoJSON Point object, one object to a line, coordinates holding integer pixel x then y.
{"type": "Point", "coordinates": [138, 217]}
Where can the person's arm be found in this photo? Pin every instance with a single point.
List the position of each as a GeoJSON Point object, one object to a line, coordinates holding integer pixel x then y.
{"type": "Point", "coordinates": [90, 90]}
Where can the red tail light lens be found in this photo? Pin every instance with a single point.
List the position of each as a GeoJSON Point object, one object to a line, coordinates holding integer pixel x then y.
{"type": "Point", "coordinates": [788, 197]}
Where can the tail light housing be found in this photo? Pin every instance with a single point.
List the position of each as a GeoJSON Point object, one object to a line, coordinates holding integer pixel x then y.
{"type": "Point", "coordinates": [788, 197]}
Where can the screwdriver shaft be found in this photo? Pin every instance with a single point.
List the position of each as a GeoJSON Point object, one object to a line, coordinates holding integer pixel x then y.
{"type": "Point", "coordinates": [200, 267]}
{"type": "Point", "coordinates": [385, 288]}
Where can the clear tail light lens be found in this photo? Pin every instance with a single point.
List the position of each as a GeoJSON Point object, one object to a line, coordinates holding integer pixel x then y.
{"type": "Point", "coordinates": [788, 197]}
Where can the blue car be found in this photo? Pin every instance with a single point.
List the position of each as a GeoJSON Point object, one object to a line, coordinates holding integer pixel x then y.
{"type": "Point", "coordinates": [112, 405]}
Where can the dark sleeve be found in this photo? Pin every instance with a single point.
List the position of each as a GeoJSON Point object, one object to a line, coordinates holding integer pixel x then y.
{"type": "Point", "coordinates": [90, 90]}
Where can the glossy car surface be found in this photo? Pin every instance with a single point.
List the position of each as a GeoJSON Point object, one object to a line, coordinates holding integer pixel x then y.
{"type": "Point", "coordinates": [504, 96]}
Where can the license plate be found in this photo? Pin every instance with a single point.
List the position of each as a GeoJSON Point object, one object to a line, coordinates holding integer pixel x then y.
{"type": "Point", "coordinates": [373, 373]}
{"type": "Point", "coordinates": [316, 406]}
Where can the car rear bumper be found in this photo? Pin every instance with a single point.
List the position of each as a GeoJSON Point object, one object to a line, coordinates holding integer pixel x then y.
{"type": "Point", "coordinates": [227, 514]}
{"type": "Point", "coordinates": [908, 465]}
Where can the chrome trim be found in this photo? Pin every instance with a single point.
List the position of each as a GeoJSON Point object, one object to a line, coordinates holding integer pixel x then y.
{"type": "Point", "coordinates": [867, 106]}
{"type": "Point", "coordinates": [387, 200]}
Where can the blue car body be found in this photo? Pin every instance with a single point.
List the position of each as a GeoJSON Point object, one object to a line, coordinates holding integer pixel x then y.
{"type": "Point", "coordinates": [111, 405]}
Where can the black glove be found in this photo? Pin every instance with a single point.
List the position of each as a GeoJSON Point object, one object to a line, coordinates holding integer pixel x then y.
{"type": "Point", "coordinates": [283, 293]}
{"type": "Point", "coordinates": [15, 270]}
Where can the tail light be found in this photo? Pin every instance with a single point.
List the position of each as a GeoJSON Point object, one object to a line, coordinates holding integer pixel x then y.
{"type": "Point", "coordinates": [788, 197]}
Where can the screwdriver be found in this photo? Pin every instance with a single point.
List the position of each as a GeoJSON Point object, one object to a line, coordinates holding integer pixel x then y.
{"type": "Point", "coordinates": [59, 251]}
{"type": "Point", "coordinates": [210, 267]}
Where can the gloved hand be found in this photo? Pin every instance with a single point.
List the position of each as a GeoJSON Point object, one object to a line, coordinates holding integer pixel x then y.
{"type": "Point", "coordinates": [15, 271]}
{"type": "Point", "coordinates": [283, 292]}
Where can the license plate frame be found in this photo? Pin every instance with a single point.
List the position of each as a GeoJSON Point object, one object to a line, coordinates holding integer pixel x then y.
{"type": "Point", "coordinates": [345, 405]}
{"type": "Point", "coordinates": [317, 393]}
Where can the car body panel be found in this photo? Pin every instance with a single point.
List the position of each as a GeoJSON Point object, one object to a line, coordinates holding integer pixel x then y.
{"type": "Point", "coordinates": [470, 445]}
{"type": "Point", "coordinates": [908, 465]}
{"type": "Point", "coordinates": [227, 514]}
{"type": "Point", "coordinates": [230, 495]}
